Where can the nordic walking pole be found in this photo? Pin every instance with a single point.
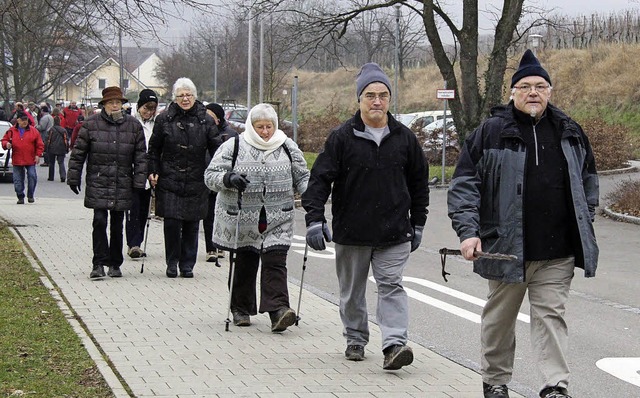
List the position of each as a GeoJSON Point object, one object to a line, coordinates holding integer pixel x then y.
{"type": "Point", "coordinates": [304, 267]}
{"type": "Point", "coordinates": [233, 263]}
{"type": "Point", "coordinates": [146, 234]}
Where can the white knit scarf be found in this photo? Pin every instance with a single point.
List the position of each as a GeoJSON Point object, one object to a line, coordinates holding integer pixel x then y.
{"type": "Point", "coordinates": [252, 138]}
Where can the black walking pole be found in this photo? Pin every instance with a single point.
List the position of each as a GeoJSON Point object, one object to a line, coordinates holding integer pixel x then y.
{"type": "Point", "coordinates": [146, 234]}
{"type": "Point", "coordinates": [232, 261]}
{"type": "Point", "coordinates": [304, 267]}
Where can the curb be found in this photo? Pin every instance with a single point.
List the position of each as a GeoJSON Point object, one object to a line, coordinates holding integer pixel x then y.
{"type": "Point", "coordinates": [621, 217]}
{"type": "Point", "coordinates": [624, 170]}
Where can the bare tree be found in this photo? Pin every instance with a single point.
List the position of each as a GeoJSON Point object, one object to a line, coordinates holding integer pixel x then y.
{"type": "Point", "coordinates": [324, 20]}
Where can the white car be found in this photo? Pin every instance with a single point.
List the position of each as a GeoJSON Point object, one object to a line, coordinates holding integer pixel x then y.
{"type": "Point", "coordinates": [416, 121]}
{"type": "Point", "coordinates": [5, 173]}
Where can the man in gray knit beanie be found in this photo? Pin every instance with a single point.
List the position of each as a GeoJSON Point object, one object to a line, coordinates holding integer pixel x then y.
{"type": "Point", "coordinates": [374, 169]}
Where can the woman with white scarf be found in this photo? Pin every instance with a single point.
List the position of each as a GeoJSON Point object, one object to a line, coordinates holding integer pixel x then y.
{"type": "Point", "coordinates": [268, 169]}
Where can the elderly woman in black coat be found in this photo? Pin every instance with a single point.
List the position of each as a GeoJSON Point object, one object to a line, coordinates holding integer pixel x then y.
{"type": "Point", "coordinates": [177, 160]}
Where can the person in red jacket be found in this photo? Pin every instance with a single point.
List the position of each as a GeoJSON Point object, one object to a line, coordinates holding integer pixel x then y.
{"type": "Point", "coordinates": [70, 114]}
{"type": "Point", "coordinates": [27, 147]}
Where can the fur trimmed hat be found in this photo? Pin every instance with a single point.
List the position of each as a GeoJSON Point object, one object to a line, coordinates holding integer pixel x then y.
{"type": "Point", "coordinates": [529, 66]}
{"type": "Point", "coordinates": [370, 73]}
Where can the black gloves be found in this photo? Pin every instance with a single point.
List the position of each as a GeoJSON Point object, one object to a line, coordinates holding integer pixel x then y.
{"type": "Point", "coordinates": [417, 237]}
{"type": "Point", "coordinates": [234, 180]}
{"type": "Point", "coordinates": [317, 233]}
{"type": "Point", "coordinates": [75, 189]}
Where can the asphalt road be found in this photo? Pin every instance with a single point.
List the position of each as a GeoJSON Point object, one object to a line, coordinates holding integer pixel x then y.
{"type": "Point", "coordinates": [603, 313]}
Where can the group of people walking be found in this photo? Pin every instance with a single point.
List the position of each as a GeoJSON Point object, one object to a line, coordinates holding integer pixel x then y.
{"type": "Point", "coordinates": [525, 184]}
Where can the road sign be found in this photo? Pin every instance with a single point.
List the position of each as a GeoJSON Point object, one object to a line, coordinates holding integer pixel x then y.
{"type": "Point", "coordinates": [445, 94]}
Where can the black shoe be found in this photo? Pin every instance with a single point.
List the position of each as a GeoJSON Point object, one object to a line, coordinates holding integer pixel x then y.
{"type": "Point", "coordinates": [554, 392]}
{"type": "Point", "coordinates": [49, 179]}
{"type": "Point", "coordinates": [97, 272]}
{"type": "Point", "coordinates": [135, 252]}
{"type": "Point", "coordinates": [240, 319]}
{"type": "Point", "coordinates": [20, 201]}
{"type": "Point", "coordinates": [282, 319]}
{"type": "Point", "coordinates": [397, 356]}
{"type": "Point", "coordinates": [31, 200]}
{"type": "Point", "coordinates": [495, 391]}
{"type": "Point", "coordinates": [63, 179]}
{"type": "Point", "coordinates": [114, 272]}
{"type": "Point", "coordinates": [211, 256]}
{"type": "Point", "coordinates": [172, 272]}
{"type": "Point", "coordinates": [186, 274]}
{"type": "Point", "coordinates": [354, 352]}
{"type": "Point", "coordinates": [44, 165]}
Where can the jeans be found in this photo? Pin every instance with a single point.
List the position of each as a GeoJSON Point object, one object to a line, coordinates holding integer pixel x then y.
{"type": "Point", "coordinates": [105, 252]}
{"type": "Point", "coordinates": [52, 166]}
{"type": "Point", "coordinates": [18, 180]}
{"type": "Point", "coordinates": [137, 217]}
{"type": "Point", "coordinates": [181, 243]}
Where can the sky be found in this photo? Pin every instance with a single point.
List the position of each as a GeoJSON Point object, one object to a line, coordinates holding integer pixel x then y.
{"type": "Point", "coordinates": [177, 29]}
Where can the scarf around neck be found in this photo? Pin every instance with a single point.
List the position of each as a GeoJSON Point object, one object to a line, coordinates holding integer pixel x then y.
{"type": "Point", "coordinates": [252, 138]}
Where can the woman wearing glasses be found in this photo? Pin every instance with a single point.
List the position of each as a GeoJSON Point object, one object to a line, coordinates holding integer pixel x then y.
{"type": "Point", "coordinates": [177, 148]}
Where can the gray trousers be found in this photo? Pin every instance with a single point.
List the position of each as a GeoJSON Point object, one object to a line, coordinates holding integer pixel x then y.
{"type": "Point", "coordinates": [548, 283]}
{"type": "Point", "coordinates": [387, 265]}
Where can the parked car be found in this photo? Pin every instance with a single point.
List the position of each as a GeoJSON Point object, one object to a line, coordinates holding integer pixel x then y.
{"type": "Point", "coordinates": [5, 173]}
{"type": "Point", "coordinates": [416, 121]}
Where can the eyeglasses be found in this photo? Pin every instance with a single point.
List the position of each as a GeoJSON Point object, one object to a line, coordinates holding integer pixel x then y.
{"type": "Point", "coordinates": [526, 88]}
{"type": "Point", "coordinates": [383, 97]}
{"type": "Point", "coordinates": [183, 96]}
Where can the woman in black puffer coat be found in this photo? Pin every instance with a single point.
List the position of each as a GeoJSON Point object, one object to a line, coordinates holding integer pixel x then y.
{"type": "Point", "coordinates": [177, 160]}
{"type": "Point", "coordinates": [57, 148]}
{"type": "Point", "coordinates": [114, 148]}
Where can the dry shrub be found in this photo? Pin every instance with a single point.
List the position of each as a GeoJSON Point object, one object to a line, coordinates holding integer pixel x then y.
{"type": "Point", "coordinates": [626, 198]}
{"type": "Point", "coordinates": [611, 143]}
{"type": "Point", "coordinates": [431, 144]}
{"type": "Point", "coordinates": [315, 127]}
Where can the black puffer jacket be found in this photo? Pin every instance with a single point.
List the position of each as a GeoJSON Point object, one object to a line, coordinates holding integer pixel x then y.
{"type": "Point", "coordinates": [177, 153]}
{"type": "Point", "coordinates": [116, 161]}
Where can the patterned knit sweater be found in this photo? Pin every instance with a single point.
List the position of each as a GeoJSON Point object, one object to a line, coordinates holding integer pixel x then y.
{"type": "Point", "coordinates": [273, 180]}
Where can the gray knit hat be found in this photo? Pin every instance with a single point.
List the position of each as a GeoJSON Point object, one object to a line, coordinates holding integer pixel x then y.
{"type": "Point", "coordinates": [370, 73]}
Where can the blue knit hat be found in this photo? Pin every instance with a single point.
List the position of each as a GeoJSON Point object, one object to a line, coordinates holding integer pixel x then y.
{"type": "Point", "coordinates": [529, 66]}
{"type": "Point", "coordinates": [370, 73]}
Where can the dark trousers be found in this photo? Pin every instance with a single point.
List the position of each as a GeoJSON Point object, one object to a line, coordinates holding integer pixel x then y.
{"type": "Point", "coordinates": [274, 293]}
{"type": "Point", "coordinates": [52, 166]}
{"type": "Point", "coordinates": [105, 252]}
{"type": "Point", "coordinates": [207, 223]}
{"type": "Point", "coordinates": [137, 217]}
{"type": "Point", "coordinates": [181, 243]}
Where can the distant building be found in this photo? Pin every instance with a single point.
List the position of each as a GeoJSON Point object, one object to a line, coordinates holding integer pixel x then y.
{"type": "Point", "coordinates": [85, 84]}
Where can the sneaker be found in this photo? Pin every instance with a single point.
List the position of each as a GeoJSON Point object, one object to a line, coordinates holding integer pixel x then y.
{"type": "Point", "coordinates": [97, 272]}
{"type": "Point", "coordinates": [397, 356]}
{"type": "Point", "coordinates": [554, 392]}
{"type": "Point", "coordinates": [240, 319]}
{"type": "Point", "coordinates": [354, 352]}
{"type": "Point", "coordinates": [114, 272]}
{"type": "Point", "coordinates": [282, 319]}
{"type": "Point", "coordinates": [220, 253]}
{"type": "Point", "coordinates": [20, 201]}
{"type": "Point", "coordinates": [31, 200]}
{"type": "Point", "coordinates": [135, 252]}
{"type": "Point", "coordinates": [211, 257]}
{"type": "Point", "coordinates": [495, 391]}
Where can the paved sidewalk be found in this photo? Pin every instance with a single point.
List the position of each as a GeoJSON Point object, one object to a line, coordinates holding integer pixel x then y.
{"type": "Point", "coordinates": [166, 337]}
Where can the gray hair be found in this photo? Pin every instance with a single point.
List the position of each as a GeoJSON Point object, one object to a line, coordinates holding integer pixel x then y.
{"type": "Point", "coordinates": [186, 84]}
{"type": "Point", "coordinates": [264, 112]}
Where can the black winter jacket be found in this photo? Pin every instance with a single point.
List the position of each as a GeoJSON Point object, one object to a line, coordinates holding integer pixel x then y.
{"type": "Point", "coordinates": [378, 193]}
{"type": "Point", "coordinates": [116, 161]}
{"type": "Point", "coordinates": [58, 141]}
{"type": "Point", "coordinates": [177, 154]}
